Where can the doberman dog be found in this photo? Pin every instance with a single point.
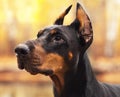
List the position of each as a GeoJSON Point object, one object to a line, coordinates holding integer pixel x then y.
{"type": "Point", "coordinates": [60, 53]}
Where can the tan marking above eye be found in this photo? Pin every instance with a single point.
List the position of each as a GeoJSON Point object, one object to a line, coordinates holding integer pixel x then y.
{"type": "Point", "coordinates": [70, 55]}
{"type": "Point", "coordinates": [53, 31]}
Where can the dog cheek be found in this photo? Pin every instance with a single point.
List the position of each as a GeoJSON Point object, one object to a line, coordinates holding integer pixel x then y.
{"type": "Point", "coordinates": [54, 62]}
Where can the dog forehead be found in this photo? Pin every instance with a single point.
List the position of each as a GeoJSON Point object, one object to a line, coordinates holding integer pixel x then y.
{"type": "Point", "coordinates": [68, 32]}
{"type": "Point", "coordinates": [65, 30]}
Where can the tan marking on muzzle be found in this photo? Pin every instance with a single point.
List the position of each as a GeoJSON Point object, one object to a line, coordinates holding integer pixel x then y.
{"type": "Point", "coordinates": [39, 53]}
{"type": "Point", "coordinates": [54, 62]}
{"type": "Point", "coordinates": [57, 64]}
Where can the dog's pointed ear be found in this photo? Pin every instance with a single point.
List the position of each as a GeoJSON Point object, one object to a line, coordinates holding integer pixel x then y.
{"type": "Point", "coordinates": [82, 25]}
{"type": "Point", "coordinates": [60, 20]}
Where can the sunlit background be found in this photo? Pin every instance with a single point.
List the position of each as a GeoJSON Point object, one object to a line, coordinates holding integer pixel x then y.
{"type": "Point", "coordinates": [20, 20]}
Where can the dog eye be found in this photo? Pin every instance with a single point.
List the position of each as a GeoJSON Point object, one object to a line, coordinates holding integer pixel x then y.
{"type": "Point", "coordinates": [58, 39]}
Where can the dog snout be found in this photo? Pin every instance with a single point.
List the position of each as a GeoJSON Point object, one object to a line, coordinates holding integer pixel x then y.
{"type": "Point", "coordinates": [22, 49]}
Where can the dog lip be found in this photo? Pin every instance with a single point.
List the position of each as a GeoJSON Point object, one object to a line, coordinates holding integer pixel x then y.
{"type": "Point", "coordinates": [33, 73]}
{"type": "Point", "coordinates": [34, 69]}
{"type": "Point", "coordinates": [20, 66]}
{"type": "Point", "coordinates": [20, 63]}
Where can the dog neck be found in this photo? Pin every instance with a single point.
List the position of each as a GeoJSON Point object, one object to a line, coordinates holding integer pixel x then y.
{"type": "Point", "coordinates": [58, 82]}
{"type": "Point", "coordinates": [75, 83]}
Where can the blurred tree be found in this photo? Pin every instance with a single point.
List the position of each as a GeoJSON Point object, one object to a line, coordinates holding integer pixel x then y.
{"type": "Point", "coordinates": [112, 17]}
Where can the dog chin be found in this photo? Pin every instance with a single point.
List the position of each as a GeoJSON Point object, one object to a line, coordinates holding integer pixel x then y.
{"type": "Point", "coordinates": [46, 72]}
{"type": "Point", "coordinates": [32, 73]}
{"type": "Point", "coordinates": [20, 66]}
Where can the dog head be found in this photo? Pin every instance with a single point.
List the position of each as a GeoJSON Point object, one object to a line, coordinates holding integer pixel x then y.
{"type": "Point", "coordinates": [56, 49]}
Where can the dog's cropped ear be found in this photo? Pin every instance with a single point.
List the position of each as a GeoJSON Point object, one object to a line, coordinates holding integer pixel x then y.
{"type": "Point", "coordinates": [82, 25]}
{"type": "Point", "coordinates": [60, 20]}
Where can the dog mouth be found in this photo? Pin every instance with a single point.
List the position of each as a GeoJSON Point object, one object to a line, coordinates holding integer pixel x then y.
{"type": "Point", "coordinates": [32, 65]}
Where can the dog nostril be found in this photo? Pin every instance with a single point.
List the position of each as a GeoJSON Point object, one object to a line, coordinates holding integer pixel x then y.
{"type": "Point", "coordinates": [22, 49]}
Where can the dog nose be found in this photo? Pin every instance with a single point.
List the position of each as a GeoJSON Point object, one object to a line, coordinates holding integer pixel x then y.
{"type": "Point", "coordinates": [22, 49]}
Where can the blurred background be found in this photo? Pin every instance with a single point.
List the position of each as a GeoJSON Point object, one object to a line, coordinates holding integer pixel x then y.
{"type": "Point", "coordinates": [20, 20]}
